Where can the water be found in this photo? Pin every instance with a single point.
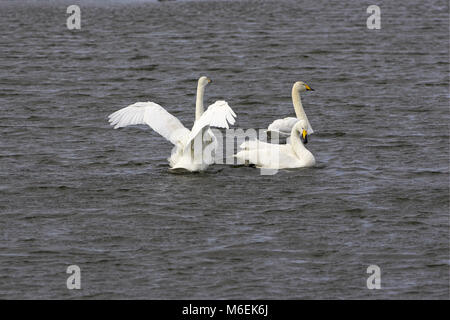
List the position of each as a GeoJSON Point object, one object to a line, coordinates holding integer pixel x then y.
{"type": "Point", "coordinates": [74, 191]}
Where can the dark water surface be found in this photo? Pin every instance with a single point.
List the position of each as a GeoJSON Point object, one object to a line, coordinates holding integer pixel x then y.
{"type": "Point", "coordinates": [74, 191]}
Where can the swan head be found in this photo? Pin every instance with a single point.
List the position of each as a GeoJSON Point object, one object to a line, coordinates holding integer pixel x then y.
{"type": "Point", "coordinates": [301, 127]}
{"type": "Point", "coordinates": [204, 81]}
{"type": "Point", "coordinates": [300, 86]}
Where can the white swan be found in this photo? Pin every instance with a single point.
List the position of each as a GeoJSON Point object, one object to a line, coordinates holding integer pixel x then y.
{"type": "Point", "coordinates": [193, 147]}
{"type": "Point", "coordinates": [279, 156]}
{"type": "Point", "coordinates": [283, 126]}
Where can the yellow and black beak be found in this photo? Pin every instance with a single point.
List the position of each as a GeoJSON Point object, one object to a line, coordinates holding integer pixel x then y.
{"type": "Point", "coordinates": [209, 80]}
{"type": "Point", "coordinates": [308, 88]}
{"type": "Point", "coordinates": [304, 136]}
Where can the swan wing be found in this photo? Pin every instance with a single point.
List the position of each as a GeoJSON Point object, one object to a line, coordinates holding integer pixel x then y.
{"type": "Point", "coordinates": [153, 115]}
{"type": "Point", "coordinates": [219, 114]}
{"type": "Point", "coordinates": [284, 126]}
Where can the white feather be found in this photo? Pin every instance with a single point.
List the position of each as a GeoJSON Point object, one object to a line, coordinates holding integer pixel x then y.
{"type": "Point", "coordinates": [278, 156]}
{"type": "Point", "coordinates": [219, 114]}
{"type": "Point", "coordinates": [184, 154]}
{"type": "Point", "coordinates": [284, 126]}
{"type": "Point", "coordinates": [153, 115]}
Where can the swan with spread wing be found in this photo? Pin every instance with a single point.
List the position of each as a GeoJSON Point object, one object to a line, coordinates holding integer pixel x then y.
{"type": "Point", "coordinates": [194, 148]}
{"type": "Point", "coordinates": [283, 126]}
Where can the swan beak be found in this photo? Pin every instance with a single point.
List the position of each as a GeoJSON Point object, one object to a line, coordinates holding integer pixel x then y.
{"type": "Point", "coordinates": [308, 88]}
{"type": "Point", "coordinates": [304, 137]}
{"type": "Point", "coordinates": [209, 80]}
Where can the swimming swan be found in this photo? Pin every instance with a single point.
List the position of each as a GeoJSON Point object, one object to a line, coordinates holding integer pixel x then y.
{"type": "Point", "coordinates": [279, 156]}
{"type": "Point", "coordinates": [283, 126]}
{"type": "Point", "coordinates": [193, 147]}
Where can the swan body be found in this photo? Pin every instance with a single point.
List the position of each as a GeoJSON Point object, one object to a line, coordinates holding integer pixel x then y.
{"type": "Point", "coordinates": [194, 148]}
{"type": "Point", "coordinates": [279, 156]}
{"type": "Point", "coordinates": [283, 126]}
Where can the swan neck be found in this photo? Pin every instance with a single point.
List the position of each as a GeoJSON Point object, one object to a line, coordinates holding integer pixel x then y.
{"type": "Point", "coordinates": [296, 143]}
{"type": "Point", "coordinates": [199, 102]}
{"type": "Point", "coordinates": [298, 107]}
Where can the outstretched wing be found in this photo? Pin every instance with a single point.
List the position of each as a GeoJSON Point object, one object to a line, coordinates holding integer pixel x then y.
{"type": "Point", "coordinates": [154, 116]}
{"type": "Point", "coordinates": [219, 114]}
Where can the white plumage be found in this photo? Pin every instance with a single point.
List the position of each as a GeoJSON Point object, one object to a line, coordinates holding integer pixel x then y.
{"type": "Point", "coordinates": [153, 115]}
{"type": "Point", "coordinates": [278, 156]}
{"type": "Point", "coordinates": [194, 148]}
{"type": "Point", "coordinates": [283, 126]}
{"type": "Point", "coordinates": [219, 114]}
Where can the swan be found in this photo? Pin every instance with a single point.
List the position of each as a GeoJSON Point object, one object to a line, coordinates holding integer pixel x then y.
{"type": "Point", "coordinates": [283, 126]}
{"type": "Point", "coordinates": [279, 156]}
{"type": "Point", "coordinates": [193, 147]}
